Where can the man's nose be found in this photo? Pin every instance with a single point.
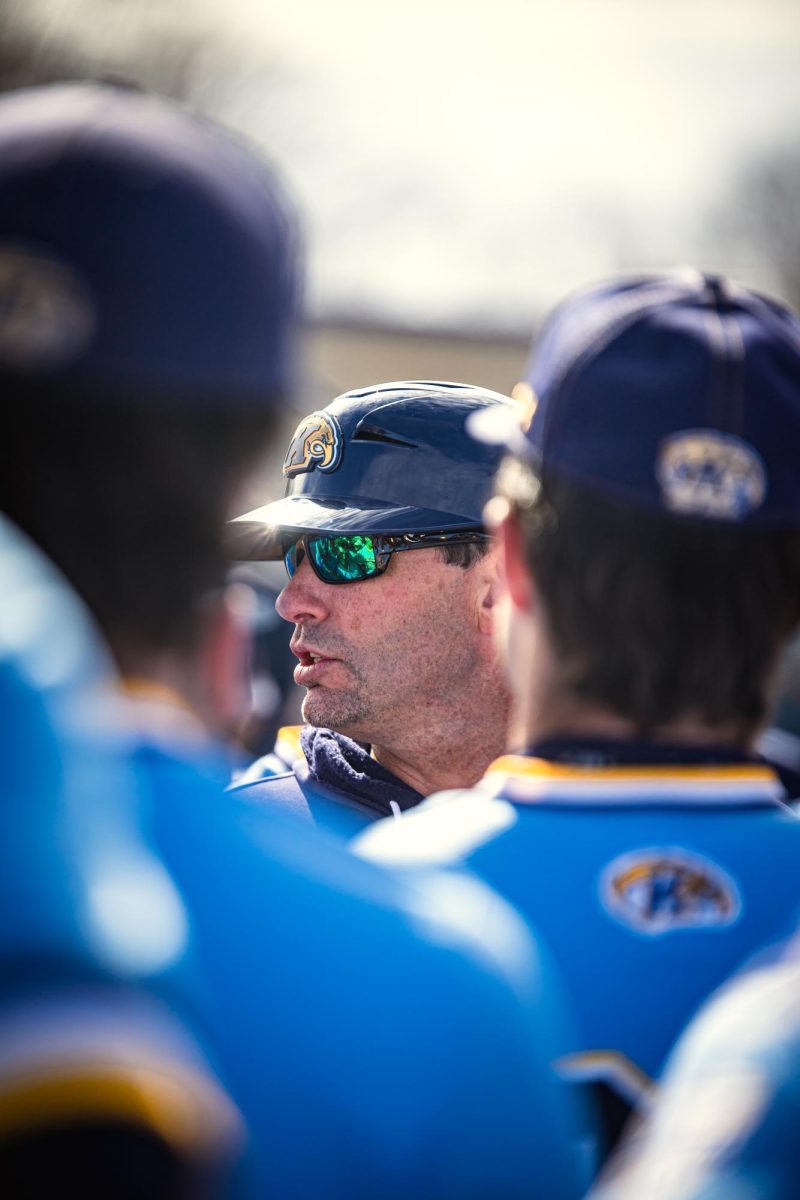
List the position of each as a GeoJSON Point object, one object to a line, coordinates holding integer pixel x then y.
{"type": "Point", "coordinates": [303, 598]}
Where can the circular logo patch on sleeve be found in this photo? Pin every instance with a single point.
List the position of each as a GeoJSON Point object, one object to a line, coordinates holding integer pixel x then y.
{"type": "Point", "coordinates": [658, 890]}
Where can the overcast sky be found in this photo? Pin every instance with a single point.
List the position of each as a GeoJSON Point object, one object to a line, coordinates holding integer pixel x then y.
{"type": "Point", "coordinates": [469, 160]}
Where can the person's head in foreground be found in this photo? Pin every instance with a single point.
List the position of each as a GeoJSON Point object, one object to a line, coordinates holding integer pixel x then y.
{"type": "Point", "coordinates": [648, 513]}
{"type": "Point", "coordinates": [392, 579]}
{"type": "Point", "coordinates": [147, 297]}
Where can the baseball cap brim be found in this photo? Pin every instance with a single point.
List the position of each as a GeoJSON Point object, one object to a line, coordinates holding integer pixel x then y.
{"type": "Point", "coordinates": [263, 534]}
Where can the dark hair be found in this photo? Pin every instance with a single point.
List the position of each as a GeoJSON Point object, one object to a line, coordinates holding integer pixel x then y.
{"type": "Point", "coordinates": [130, 501]}
{"type": "Point", "coordinates": [462, 554]}
{"type": "Point", "coordinates": [654, 617]}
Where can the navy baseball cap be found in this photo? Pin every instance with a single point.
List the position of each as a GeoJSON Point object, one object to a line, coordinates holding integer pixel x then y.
{"type": "Point", "coordinates": [142, 250]}
{"type": "Point", "coordinates": [677, 392]}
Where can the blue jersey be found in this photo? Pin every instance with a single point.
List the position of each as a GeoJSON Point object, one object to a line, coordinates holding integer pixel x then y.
{"type": "Point", "coordinates": [326, 779]}
{"type": "Point", "coordinates": [104, 1084]}
{"type": "Point", "coordinates": [384, 1036]}
{"type": "Point", "coordinates": [725, 1123]}
{"type": "Point", "coordinates": [650, 884]}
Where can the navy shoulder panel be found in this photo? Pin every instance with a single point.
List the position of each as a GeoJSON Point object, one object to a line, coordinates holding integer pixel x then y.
{"type": "Point", "coordinates": [297, 794]}
{"type": "Point", "coordinates": [281, 791]}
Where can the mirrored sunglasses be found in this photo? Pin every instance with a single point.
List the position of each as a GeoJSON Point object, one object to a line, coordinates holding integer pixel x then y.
{"type": "Point", "coordinates": [350, 557]}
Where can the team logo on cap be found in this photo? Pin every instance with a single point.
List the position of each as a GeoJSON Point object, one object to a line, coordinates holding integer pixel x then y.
{"type": "Point", "coordinates": [316, 445]}
{"type": "Point", "coordinates": [46, 315]}
{"type": "Point", "coordinates": [703, 473]}
{"type": "Point", "coordinates": [658, 890]}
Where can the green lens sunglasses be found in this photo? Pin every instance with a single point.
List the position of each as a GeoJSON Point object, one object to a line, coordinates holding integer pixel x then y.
{"type": "Point", "coordinates": [350, 557]}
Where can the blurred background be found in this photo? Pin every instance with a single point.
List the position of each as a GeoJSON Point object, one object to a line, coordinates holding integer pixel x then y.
{"type": "Point", "coordinates": [460, 164]}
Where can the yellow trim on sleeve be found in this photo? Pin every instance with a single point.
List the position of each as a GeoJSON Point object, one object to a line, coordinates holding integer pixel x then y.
{"type": "Point", "coordinates": [187, 1110]}
{"type": "Point", "coordinates": [614, 1068]}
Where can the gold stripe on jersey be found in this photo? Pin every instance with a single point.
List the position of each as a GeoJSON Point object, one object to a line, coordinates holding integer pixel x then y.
{"type": "Point", "coordinates": [522, 778]}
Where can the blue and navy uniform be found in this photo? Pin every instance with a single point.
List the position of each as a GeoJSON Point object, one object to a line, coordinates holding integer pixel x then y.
{"type": "Point", "coordinates": [726, 1119]}
{"type": "Point", "coordinates": [384, 1035]}
{"type": "Point", "coordinates": [105, 1087]}
{"type": "Point", "coordinates": [651, 881]}
{"type": "Point", "coordinates": [327, 779]}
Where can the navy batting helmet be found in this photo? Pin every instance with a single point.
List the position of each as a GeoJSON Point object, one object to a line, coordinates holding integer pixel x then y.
{"type": "Point", "coordinates": [393, 458]}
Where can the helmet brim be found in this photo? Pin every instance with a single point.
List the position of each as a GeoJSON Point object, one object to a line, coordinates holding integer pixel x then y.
{"type": "Point", "coordinates": [263, 534]}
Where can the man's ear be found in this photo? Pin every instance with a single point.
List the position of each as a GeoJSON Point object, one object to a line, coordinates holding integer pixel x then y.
{"type": "Point", "coordinates": [490, 590]}
{"type": "Point", "coordinates": [514, 570]}
{"type": "Point", "coordinates": [225, 658]}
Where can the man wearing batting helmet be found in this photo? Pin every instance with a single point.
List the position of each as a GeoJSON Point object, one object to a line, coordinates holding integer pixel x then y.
{"type": "Point", "coordinates": [392, 587]}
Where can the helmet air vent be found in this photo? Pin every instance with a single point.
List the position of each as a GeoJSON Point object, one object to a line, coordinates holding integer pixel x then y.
{"type": "Point", "coordinates": [371, 433]}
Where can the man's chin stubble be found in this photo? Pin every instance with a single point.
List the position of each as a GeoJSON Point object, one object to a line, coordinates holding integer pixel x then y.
{"type": "Point", "coordinates": [331, 712]}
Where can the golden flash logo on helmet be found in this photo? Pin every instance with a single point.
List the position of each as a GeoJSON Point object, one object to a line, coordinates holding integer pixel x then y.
{"type": "Point", "coordinates": [317, 444]}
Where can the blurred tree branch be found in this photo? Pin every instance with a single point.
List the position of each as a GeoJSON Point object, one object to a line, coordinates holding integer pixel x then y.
{"type": "Point", "coordinates": [179, 49]}
{"type": "Point", "coordinates": [759, 220]}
